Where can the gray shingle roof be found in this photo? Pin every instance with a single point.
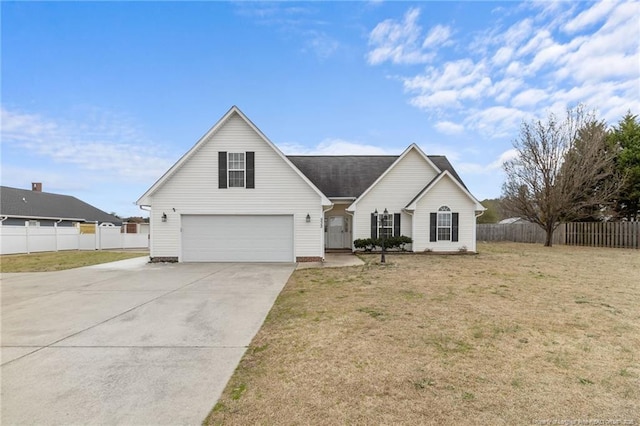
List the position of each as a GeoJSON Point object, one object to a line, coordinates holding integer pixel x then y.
{"type": "Point", "coordinates": [351, 175]}
{"type": "Point", "coordinates": [342, 176]}
{"type": "Point", "coordinates": [27, 203]}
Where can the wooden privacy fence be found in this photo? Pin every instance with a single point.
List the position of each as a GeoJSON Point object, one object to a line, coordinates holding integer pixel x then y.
{"type": "Point", "coordinates": [594, 234]}
{"type": "Point", "coordinates": [607, 234]}
{"type": "Point", "coordinates": [517, 232]}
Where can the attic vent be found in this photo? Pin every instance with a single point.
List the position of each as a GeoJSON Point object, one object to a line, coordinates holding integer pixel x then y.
{"type": "Point", "coordinates": [36, 186]}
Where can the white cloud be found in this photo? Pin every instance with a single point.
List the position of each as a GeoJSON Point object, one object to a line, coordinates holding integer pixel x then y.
{"type": "Point", "coordinates": [321, 44]}
{"type": "Point", "coordinates": [503, 55]}
{"type": "Point", "coordinates": [590, 16]}
{"type": "Point", "coordinates": [440, 99]}
{"type": "Point", "coordinates": [439, 35]}
{"type": "Point", "coordinates": [519, 32]}
{"type": "Point", "coordinates": [298, 21]}
{"type": "Point", "coordinates": [504, 157]}
{"type": "Point", "coordinates": [483, 169]}
{"type": "Point", "coordinates": [529, 97]}
{"type": "Point", "coordinates": [449, 128]}
{"type": "Point", "coordinates": [397, 41]}
{"type": "Point", "coordinates": [497, 121]}
{"type": "Point", "coordinates": [503, 89]}
{"type": "Point", "coordinates": [101, 143]}
{"type": "Point", "coordinates": [506, 73]}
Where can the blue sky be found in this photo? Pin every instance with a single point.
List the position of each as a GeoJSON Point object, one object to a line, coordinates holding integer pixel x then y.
{"type": "Point", "coordinates": [99, 99]}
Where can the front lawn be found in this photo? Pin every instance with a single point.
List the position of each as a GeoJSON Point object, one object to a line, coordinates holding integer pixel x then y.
{"type": "Point", "coordinates": [519, 334]}
{"type": "Point", "coordinates": [57, 261]}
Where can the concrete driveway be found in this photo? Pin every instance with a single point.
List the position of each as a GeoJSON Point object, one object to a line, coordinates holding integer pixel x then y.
{"type": "Point", "coordinates": [128, 342]}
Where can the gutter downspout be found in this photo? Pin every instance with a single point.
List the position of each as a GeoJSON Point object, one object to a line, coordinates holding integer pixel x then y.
{"type": "Point", "coordinates": [475, 230]}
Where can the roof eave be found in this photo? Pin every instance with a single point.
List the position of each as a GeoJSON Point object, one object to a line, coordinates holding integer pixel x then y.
{"type": "Point", "coordinates": [17, 216]}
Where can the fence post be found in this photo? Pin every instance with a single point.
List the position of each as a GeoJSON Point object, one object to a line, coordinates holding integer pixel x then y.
{"type": "Point", "coordinates": [97, 235]}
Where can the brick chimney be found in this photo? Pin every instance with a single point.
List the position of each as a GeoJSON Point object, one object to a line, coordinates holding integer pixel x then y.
{"type": "Point", "coordinates": [36, 186]}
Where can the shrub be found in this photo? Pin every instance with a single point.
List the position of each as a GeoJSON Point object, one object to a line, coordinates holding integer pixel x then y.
{"type": "Point", "coordinates": [365, 244]}
{"type": "Point", "coordinates": [391, 243]}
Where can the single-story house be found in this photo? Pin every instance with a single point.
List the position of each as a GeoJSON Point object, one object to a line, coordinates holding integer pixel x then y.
{"type": "Point", "coordinates": [234, 196]}
{"type": "Point", "coordinates": [36, 208]}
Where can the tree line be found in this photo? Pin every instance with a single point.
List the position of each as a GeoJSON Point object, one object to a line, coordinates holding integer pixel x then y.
{"type": "Point", "coordinates": [572, 169]}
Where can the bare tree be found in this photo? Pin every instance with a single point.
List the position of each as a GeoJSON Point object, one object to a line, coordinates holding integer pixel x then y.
{"type": "Point", "coordinates": [564, 171]}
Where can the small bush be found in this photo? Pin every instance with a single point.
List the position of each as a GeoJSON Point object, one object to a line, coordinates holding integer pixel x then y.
{"type": "Point", "coordinates": [366, 244]}
{"type": "Point", "coordinates": [391, 243]}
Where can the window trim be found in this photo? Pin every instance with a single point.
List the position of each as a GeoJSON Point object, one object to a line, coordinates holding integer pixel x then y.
{"type": "Point", "coordinates": [444, 212]}
{"type": "Point", "coordinates": [243, 169]}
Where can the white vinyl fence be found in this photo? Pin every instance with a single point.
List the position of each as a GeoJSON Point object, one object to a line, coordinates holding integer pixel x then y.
{"type": "Point", "coordinates": [31, 239]}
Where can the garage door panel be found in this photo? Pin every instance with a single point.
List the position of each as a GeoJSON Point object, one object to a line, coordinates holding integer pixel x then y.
{"type": "Point", "coordinates": [238, 238]}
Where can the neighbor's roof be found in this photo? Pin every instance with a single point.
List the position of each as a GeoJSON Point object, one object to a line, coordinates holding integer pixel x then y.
{"type": "Point", "coordinates": [25, 203]}
{"type": "Point", "coordinates": [351, 175]}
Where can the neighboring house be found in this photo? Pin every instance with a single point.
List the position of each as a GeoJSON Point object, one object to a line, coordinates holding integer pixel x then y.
{"type": "Point", "coordinates": [235, 197]}
{"type": "Point", "coordinates": [36, 208]}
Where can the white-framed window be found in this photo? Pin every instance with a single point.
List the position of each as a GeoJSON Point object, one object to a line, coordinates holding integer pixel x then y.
{"type": "Point", "coordinates": [444, 224]}
{"type": "Point", "coordinates": [385, 226]}
{"type": "Point", "coordinates": [236, 169]}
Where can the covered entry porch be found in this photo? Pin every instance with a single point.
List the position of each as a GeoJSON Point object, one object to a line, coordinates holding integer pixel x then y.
{"type": "Point", "coordinates": [338, 227]}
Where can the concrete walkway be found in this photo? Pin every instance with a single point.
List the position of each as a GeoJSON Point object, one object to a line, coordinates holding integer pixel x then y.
{"type": "Point", "coordinates": [333, 260]}
{"type": "Point", "coordinates": [129, 342]}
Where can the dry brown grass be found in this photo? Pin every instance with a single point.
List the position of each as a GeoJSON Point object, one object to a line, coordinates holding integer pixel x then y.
{"type": "Point", "coordinates": [61, 260]}
{"type": "Point", "coordinates": [519, 334]}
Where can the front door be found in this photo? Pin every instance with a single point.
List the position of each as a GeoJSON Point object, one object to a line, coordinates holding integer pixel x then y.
{"type": "Point", "coordinates": [337, 232]}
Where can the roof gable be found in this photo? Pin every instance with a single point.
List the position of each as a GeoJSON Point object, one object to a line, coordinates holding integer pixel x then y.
{"type": "Point", "coordinates": [412, 147]}
{"type": "Point", "coordinates": [23, 203]}
{"type": "Point", "coordinates": [445, 174]}
{"type": "Point", "coordinates": [234, 110]}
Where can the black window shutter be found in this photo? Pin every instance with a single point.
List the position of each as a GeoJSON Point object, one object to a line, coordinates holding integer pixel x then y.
{"type": "Point", "coordinates": [374, 226]}
{"type": "Point", "coordinates": [222, 169]}
{"type": "Point", "coordinates": [396, 224]}
{"type": "Point", "coordinates": [454, 226]}
{"type": "Point", "coordinates": [251, 176]}
{"type": "Point", "coordinates": [433, 221]}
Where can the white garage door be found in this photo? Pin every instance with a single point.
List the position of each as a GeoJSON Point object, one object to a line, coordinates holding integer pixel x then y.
{"type": "Point", "coordinates": [237, 238]}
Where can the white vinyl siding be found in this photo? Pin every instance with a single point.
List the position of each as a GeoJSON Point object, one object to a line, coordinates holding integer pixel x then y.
{"type": "Point", "coordinates": [193, 190]}
{"type": "Point", "coordinates": [254, 238]}
{"type": "Point", "coordinates": [445, 193]}
{"type": "Point", "coordinates": [394, 192]}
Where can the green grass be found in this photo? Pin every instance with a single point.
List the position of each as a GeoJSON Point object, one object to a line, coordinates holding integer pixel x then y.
{"type": "Point", "coordinates": [61, 260]}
